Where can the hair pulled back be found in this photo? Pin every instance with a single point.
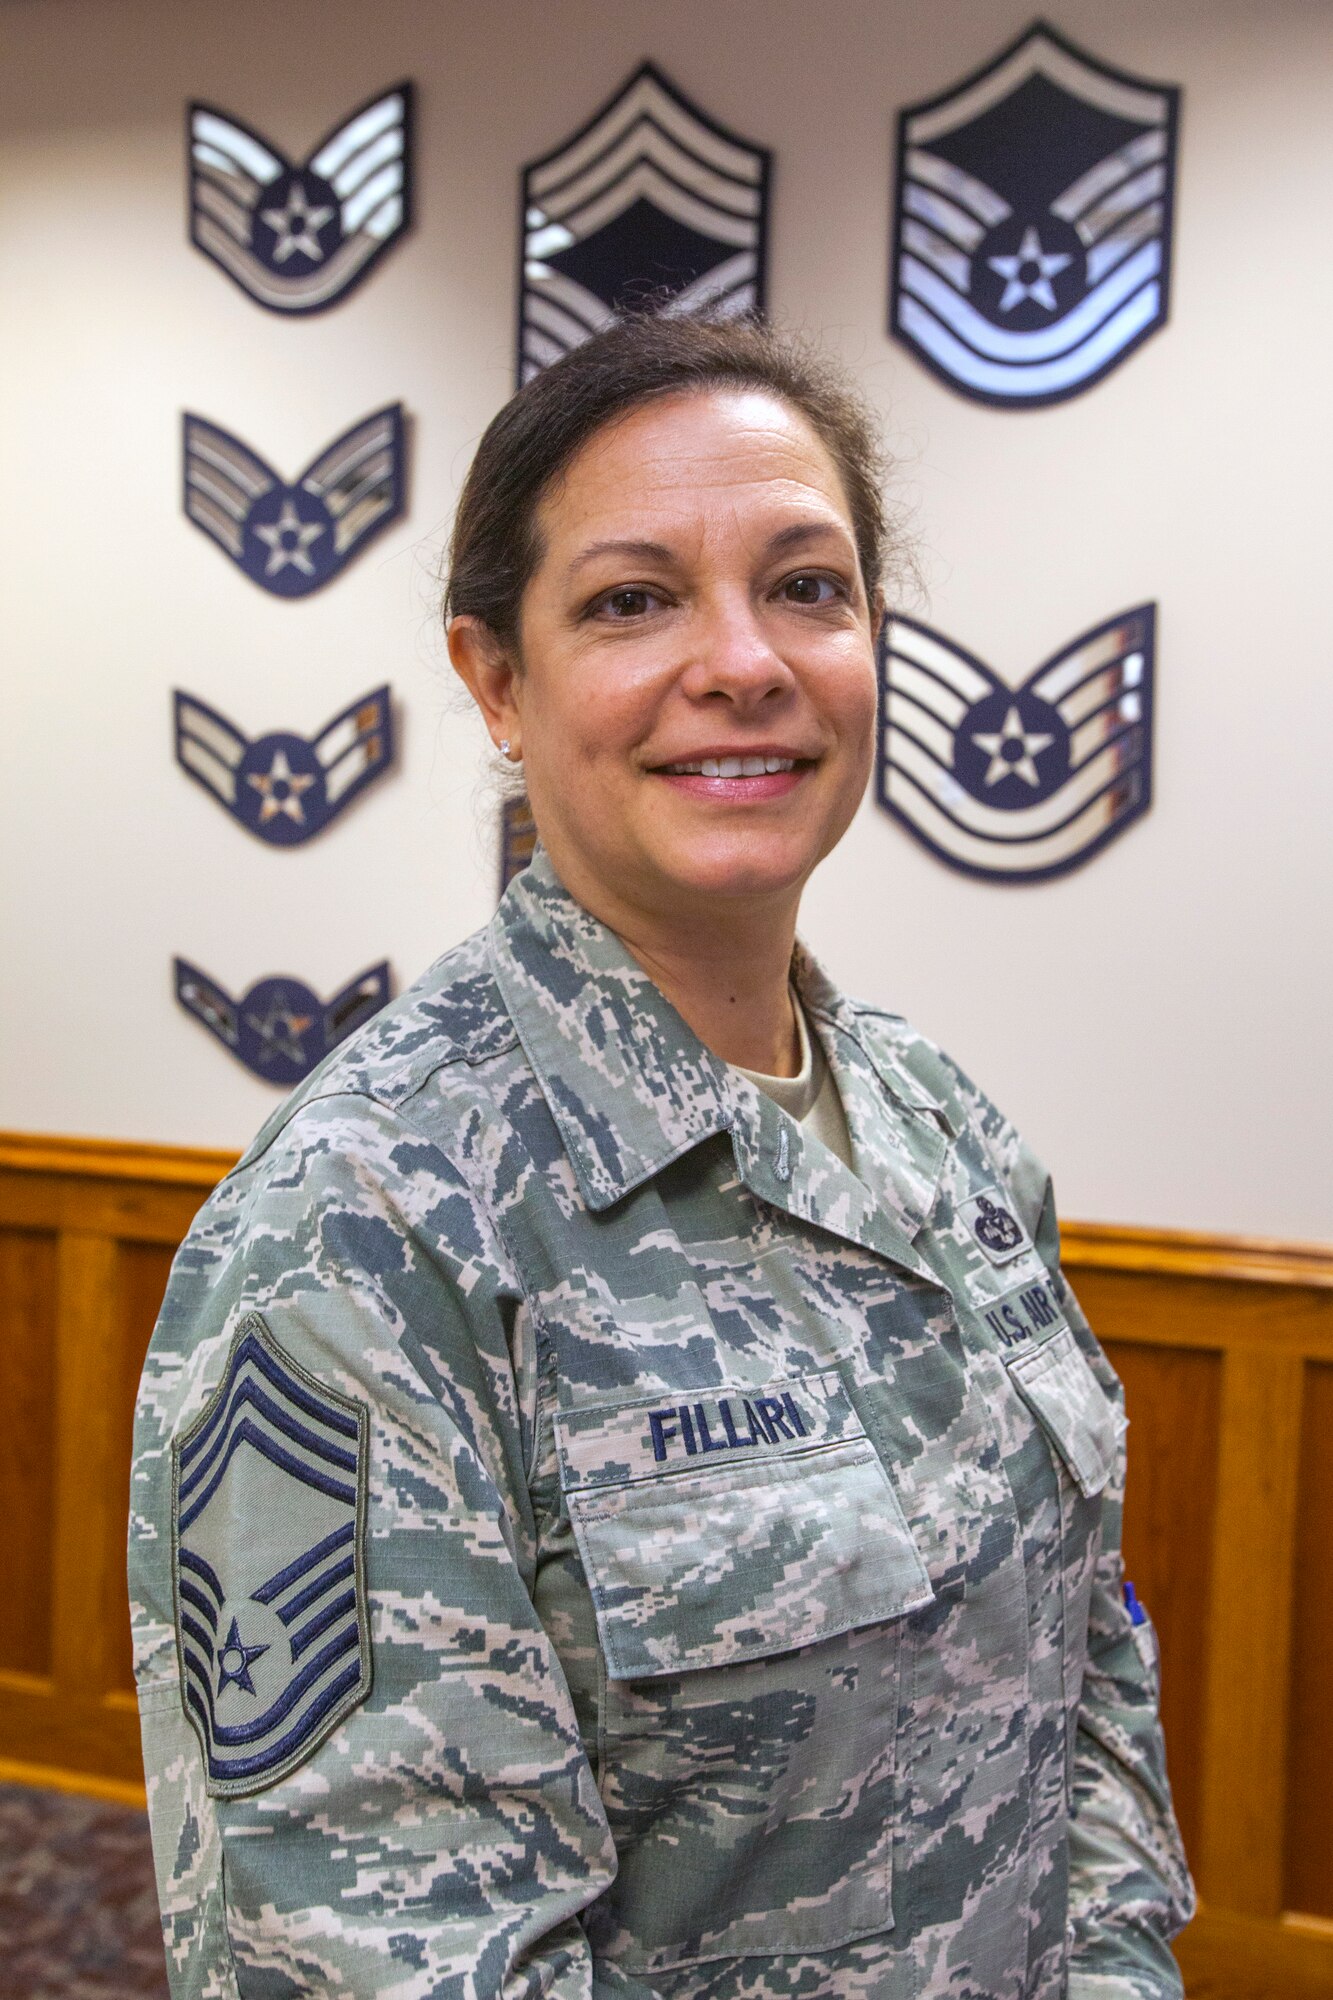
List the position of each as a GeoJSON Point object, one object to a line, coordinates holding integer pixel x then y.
{"type": "Point", "coordinates": [495, 546]}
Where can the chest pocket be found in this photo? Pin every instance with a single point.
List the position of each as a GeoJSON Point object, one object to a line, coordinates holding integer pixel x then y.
{"type": "Point", "coordinates": [750, 1566]}
{"type": "Point", "coordinates": [1071, 1406]}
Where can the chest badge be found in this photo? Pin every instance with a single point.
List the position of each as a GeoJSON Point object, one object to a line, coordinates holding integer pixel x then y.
{"type": "Point", "coordinates": [1017, 782]}
{"type": "Point", "coordinates": [650, 198]}
{"type": "Point", "coordinates": [1033, 223]}
{"type": "Point", "coordinates": [993, 1225]}
{"type": "Point", "coordinates": [280, 1029]}
{"type": "Point", "coordinates": [282, 787]}
{"type": "Point", "coordinates": [291, 537]}
{"type": "Point", "coordinates": [297, 236]}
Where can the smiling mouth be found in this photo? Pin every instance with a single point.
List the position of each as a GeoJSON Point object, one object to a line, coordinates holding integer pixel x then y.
{"type": "Point", "coordinates": [730, 767]}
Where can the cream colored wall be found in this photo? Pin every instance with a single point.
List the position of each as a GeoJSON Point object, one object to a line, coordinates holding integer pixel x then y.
{"type": "Point", "coordinates": [1158, 1023]}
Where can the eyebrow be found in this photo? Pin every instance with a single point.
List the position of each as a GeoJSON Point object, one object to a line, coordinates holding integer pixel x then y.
{"type": "Point", "coordinates": [654, 552]}
{"type": "Point", "coordinates": [798, 535]}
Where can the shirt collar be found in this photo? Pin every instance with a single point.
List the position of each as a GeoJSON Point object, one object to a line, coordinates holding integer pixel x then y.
{"type": "Point", "coordinates": [632, 1088]}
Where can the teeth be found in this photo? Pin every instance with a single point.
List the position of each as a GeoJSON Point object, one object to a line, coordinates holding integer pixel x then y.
{"type": "Point", "coordinates": [732, 767]}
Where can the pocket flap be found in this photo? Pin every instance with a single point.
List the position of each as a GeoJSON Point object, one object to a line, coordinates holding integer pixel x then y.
{"type": "Point", "coordinates": [1072, 1408]}
{"type": "Point", "coordinates": [783, 1536]}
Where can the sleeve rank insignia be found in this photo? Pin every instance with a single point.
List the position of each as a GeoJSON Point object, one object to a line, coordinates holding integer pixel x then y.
{"type": "Point", "coordinates": [650, 199]}
{"type": "Point", "coordinates": [298, 236]}
{"type": "Point", "coordinates": [280, 1029]}
{"type": "Point", "coordinates": [294, 538]}
{"type": "Point", "coordinates": [1017, 784]}
{"type": "Point", "coordinates": [282, 787]}
{"type": "Point", "coordinates": [1032, 228]}
{"type": "Point", "coordinates": [268, 1505]}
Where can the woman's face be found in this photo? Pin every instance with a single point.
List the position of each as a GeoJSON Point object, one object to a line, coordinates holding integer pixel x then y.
{"type": "Point", "coordinates": [696, 701]}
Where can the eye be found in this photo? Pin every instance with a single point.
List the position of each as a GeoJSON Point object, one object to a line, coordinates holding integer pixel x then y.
{"type": "Point", "coordinates": [813, 587]}
{"type": "Point", "coordinates": [620, 607]}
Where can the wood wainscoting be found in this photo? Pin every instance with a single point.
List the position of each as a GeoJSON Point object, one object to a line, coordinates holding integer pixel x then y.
{"type": "Point", "coordinates": [1225, 1346]}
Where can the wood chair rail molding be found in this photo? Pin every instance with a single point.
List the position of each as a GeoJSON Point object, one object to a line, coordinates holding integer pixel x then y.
{"type": "Point", "coordinates": [1225, 1347]}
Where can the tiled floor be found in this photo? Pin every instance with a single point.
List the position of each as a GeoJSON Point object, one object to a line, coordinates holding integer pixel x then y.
{"type": "Point", "coordinates": [78, 1909]}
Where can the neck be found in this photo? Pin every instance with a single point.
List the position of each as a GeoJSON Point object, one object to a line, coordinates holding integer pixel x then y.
{"type": "Point", "coordinates": [726, 969]}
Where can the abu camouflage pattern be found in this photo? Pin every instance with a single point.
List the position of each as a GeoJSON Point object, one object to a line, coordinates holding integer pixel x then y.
{"type": "Point", "coordinates": [741, 1542]}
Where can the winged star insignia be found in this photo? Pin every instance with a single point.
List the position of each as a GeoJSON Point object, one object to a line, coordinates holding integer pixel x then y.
{"type": "Point", "coordinates": [1032, 233]}
{"type": "Point", "coordinates": [1017, 784]}
{"type": "Point", "coordinates": [280, 1029]}
{"type": "Point", "coordinates": [299, 235]}
{"type": "Point", "coordinates": [269, 1487]}
{"type": "Point", "coordinates": [294, 538]}
{"type": "Point", "coordinates": [281, 787]}
{"type": "Point", "coordinates": [650, 199]}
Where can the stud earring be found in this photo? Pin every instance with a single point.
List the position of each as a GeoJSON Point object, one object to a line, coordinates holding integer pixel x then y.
{"type": "Point", "coordinates": [504, 746]}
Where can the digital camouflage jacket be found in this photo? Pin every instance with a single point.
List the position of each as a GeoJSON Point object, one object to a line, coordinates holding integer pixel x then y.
{"type": "Point", "coordinates": [585, 1541]}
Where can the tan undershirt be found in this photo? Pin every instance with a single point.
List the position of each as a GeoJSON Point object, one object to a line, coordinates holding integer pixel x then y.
{"type": "Point", "coordinates": [810, 1097]}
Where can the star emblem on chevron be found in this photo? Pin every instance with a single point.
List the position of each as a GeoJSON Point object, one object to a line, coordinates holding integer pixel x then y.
{"type": "Point", "coordinates": [235, 1659]}
{"type": "Point", "coordinates": [1028, 273]}
{"type": "Point", "coordinates": [292, 537]}
{"type": "Point", "coordinates": [1017, 783]}
{"type": "Point", "coordinates": [283, 787]}
{"type": "Point", "coordinates": [296, 226]}
{"type": "Point", "coordinates": [1012, 750]}
{"type": "Point", "coordinates": [298, 236]}
{"type": "Point", "coordinates": [288, 539]}
{"type": "Point", "coordinates": [1033, 223]}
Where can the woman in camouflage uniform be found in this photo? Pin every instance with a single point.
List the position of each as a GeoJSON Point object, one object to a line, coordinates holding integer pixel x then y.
{"type": "Point", "coordinates": [625, 1502]}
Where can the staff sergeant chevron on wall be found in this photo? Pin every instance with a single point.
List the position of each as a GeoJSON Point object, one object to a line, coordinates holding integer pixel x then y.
{"type": "Point", "coordinates": [298, 236]}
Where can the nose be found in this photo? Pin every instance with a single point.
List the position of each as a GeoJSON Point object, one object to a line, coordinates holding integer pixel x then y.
{"type": "Point", "coordinates": [733, 658]}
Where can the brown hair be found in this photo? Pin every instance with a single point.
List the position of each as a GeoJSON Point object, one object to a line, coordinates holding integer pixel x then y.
{"type": "Point", "coordinates": [495, 547]}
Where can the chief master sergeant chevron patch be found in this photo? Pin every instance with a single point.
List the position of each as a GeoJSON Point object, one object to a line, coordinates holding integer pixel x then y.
{"type": "Point", "coordinates": [268, 1527]}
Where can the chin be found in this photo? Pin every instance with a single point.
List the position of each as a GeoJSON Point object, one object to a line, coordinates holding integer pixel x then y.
{"type": "Point", "coordinates": [743, 871]}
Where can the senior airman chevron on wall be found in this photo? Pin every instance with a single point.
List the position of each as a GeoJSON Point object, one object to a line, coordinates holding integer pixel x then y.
{"type": "Point", "coordinates": [293, 537]}
{"type": "Point", "coordinates": [728, 1512]}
